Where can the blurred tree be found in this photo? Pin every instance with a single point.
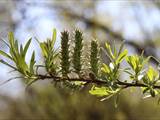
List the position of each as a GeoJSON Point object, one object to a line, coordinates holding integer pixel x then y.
{"type": "Point", "coordinates": [90, 17]}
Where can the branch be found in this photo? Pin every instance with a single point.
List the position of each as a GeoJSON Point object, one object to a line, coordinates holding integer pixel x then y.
{"type": "Point", "coordinates": [95, 81]}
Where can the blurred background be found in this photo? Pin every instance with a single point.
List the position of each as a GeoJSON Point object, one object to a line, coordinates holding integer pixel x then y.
{"type": "Point", "coordinates": [136, 22]}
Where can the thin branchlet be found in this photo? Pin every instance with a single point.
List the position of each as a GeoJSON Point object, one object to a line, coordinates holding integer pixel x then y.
{"type": "Point", "coordinates": [94, 81]}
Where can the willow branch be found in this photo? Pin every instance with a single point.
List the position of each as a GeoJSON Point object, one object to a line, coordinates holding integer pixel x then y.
{"type": "Point", "coordinates": [95, 81]}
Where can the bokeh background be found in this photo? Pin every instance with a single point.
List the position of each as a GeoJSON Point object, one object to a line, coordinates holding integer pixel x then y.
{"type": "Point", "coordinates": [136, 22]}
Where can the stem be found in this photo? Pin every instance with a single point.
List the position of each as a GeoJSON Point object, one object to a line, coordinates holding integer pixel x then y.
{"type": "Point", "coordinates": [95, 81]}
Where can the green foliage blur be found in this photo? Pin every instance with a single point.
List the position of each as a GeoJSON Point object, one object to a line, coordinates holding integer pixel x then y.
{"type": "Point", "coordinates": [49, 103]}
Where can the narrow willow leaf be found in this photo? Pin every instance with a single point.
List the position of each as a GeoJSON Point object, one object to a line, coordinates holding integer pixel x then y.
{"type": "Point", "coordinates": [5, 55]}
{"type": "Point", "coordinates": [54, 37]}
{"type": "Point", "coordinates": [145, 61]}
{"type": "Point", "coordinates": [151, 73]}
{"type": "Point", "coordinates": [11, 38]}
{"type": "Point", "coordinates": [15, 47]}
{"type": "Point", "coordinates": [43, 48]}
{"type": "Point", "coordinates": [108, 47]}
{"type": "Point", "coordinates": [99, 91]}
{"type": "Point", "coordinates": [21, 50]}
{"type": "Point", "coordinates": [132, 61]}
{"type": "Point", "coordinates": [26, 47]}
{"type": "Point", "coordinates": [121, 47]}
{"type": "Point", "coordinates": [105, 68]}
{"type": "Point", "coordinates": [121, 56]}
{"type": "Point", "coordinates": [54, 57]}
{"type": "Point", "coordinates": [4, 62]}
{"type": "Point", "coordinates": [32, 62]}
{"type": "Point", "coordinates": [13, 56]}
{"type": "Point", "coordinates": [114, 49]}
{"type": "Point", "coordinates": [106, 53]}
{"type": "Point", "coordinates": [127, 71]}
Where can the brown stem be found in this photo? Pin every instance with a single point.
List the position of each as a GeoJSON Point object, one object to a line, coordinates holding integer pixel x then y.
{"type": "Point", "coordinates": [95, 81]}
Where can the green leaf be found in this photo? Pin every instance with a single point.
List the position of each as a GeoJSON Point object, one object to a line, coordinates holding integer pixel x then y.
{"type": "Point", "coordinates": [146, 60]}
{"type": "Point", "coordinates": [122, 56]}
{"type": "Point", "coordinates": [109, 50]}
{"type": "Point", "coordinates": [54, 37]}
{"type": "Point", "coordinates": [11, 38]}
{"type": "Point", "coordinates": [107, 54]}
{"type": "Point", "coordinates": [21, 49]}
{"type": "Point", "coordinates": [152, 74]}
{"type": "Point", "coordinates": [4, 62]}
{"type": "Point", "coordinates": [121, 47]}
{"type": "Point", "coordinates": [99, 91]}
{"type": "Point", "coordinates": [103, 91]}
{"type": "Point", "coordinates": [5, 55]}
{"type": "Point", "coordinates": [114, 49]}
{"type": "Point", "coordinates": [132, 61]}
{"type": "Point", "coordinates": [15, 47]}
{"type": "Point", "coordinates": [32, 62]}
{"type": "Point", "coordinates": [22, 65]}
{"type": "Point", "coordinates": [105, 68]}
{"type": "Point", "coordinates": [43, 48]}
{"type": "Point", "coordinates": [26, 47]}
{"type": "Point", "coordinates": [127, 70]}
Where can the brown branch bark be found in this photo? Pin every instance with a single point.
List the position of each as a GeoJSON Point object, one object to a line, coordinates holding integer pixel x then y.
{"type": "Point", "coordinates": [95, 81]}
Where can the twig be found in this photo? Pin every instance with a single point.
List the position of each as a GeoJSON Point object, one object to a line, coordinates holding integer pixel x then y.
{"type": "Point", "coordinates": [95, 81]}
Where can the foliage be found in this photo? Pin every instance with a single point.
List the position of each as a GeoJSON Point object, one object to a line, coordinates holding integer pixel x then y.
{"type": "Point", "coordinates": [49, 102]}
{"type": "Point", "coordinates": [103, 77]}
{"type": "Point", "coordinates": [50, 54]}
{"type": "Point", "coordinates": [17, 54]}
